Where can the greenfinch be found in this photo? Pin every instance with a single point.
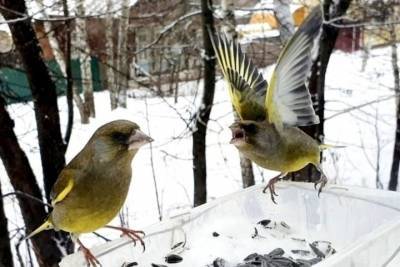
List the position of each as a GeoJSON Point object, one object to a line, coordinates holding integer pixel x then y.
{"type": "Point", "coordinates": [267, 131]}
{"type": "Point", "coordinates": [92, 188]}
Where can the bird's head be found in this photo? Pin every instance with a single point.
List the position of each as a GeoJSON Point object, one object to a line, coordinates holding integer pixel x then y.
{"type": "Point", "coordinates": [118, 137]}
{"type": "Point", "coordinates": [243, 133]}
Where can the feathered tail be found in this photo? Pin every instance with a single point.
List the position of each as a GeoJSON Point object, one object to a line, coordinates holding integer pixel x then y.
{"type": "Point", "coordinates": [47, 225]}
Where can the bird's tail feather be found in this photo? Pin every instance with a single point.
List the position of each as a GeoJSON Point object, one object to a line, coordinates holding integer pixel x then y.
{"type": "Point", "coordinates": [327, 146]}
{"type": "Point", "coordinates": [47, 225]}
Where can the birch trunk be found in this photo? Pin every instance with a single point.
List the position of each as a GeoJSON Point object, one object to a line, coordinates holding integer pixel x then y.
{"type": "Point", "coordinates": [111, 73]}
{"type": "Point", "coordinates": [86, 106]}
{"type": "Point", "coordinates": [123, 57]}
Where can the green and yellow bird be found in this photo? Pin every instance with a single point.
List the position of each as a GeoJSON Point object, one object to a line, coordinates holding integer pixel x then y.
{"type": "Point", "coordinates": [92, 188]}
{"type": "Point", "coordinates": [267, 132]}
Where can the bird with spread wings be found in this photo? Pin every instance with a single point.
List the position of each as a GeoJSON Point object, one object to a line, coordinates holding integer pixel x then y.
{"type": "Point", "coordinates": [267, 132]}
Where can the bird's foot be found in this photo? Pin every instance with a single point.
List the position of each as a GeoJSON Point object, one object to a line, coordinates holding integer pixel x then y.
{"type": "Point", "coordinates": [321, 182]}
{"type": "Point", "coordinates": [132, 234]}
{"type": "Point", "coordinates": [91, 260]}
{"type": "Point", "coordinates": [271, 187]}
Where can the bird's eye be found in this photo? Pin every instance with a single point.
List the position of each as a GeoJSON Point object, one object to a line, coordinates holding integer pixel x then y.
{"type": "Point", "coordinates": [249, 128]}
{"type": "Point", "coordinates": [120, 137]}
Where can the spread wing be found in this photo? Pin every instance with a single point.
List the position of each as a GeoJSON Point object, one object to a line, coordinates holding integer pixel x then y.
{"type": "Point", "coordinates": [63, 186]}
{"type": "Point", "coordinates": [288, 101]}
{"type": "Point", "coordinates": [247, 87]}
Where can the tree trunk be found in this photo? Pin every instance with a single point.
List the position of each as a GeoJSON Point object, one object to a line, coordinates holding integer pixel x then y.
{"type": "Point", "coordinates": [6, 259]}
{"type": "Point", "coordinates": [68, 73]}
{"type": "Point", "coordinates": [86, 105]}
{"type": "Point", "coordinates": [111, 74]}
{"type": "Point", "coordinates": [229, 28]}
{"type": "Point", "coordinates": [123, 57]}
{"type": "Point", "coordinates": [52, 147]}
{"type": "Point", "coordinates": [22, 179]}
{"type": "Point", "coordinates": [43, 93]}
{"type": "Point", "coordinates": [394, 172]}
{"type": "Point", "coordinates": [203, 114]}
{"type": "Point", "coordinates": [52, 38]}
{"type": "Point", "coordinates": [285, 19]}
{"type": "Point", "coordinates": [63, 62]}
{"type": "Point", "coordinates": [316, 82]}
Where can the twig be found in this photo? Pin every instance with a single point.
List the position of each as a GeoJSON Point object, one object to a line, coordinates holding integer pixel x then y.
{"type": "Point", "coordinates": [167, 29]}
{"type": "Point", "coordinates": [152, 162]}
{"type": "Point", "coordinates": [166, 154]}
{"type": "Point", "coordinates": [101, 236]}
{"type": "Point", "coordinates": [378, 182]}
{"type": "Point", "coordinates": [361, 106]}
{"type": "Point", "coordinates": [25, 195]}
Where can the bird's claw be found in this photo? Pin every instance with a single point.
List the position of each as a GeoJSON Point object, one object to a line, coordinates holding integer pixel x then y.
{"type": "Point", "coordinates": [132, 234]}
{"type": "Point", "coordinates": [322, 183]}
{"type": "Point", "coordinates": [271, 187]}
{"type": "Point", "coordinates": [135, 236]}
{"type": "Point", "coordinates": [91, 260]}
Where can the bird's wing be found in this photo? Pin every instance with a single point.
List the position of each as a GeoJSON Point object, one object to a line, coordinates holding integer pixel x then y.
{"type": "Point", "coordinates": [247, 87]}
{"type": "Point", "coordinates": [288, 101]}
{"type": "Point", "coordinates": [63, 186]}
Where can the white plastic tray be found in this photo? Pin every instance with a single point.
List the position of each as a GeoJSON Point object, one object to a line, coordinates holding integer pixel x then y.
{"type": "Point", "coordinates": [362, 224]}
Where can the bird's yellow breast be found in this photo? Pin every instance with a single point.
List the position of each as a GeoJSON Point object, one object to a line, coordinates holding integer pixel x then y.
{"type": "Point", "coordinates": [92, 204]}
{"type": "Point", "coordinates": [291, 150]}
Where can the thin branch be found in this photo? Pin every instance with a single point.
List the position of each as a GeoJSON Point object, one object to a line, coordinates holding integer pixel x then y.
{"type": "Point", "coordinates": [101, 236]}
{"type": "Point", "coordinates": [152, 162]}
{"type": "Point", "coordinates": [166, 154]}
{"type": "Point", "coordinates": [167, 29]}
{"type": "Point", "coordinates": [347, 110]}
{"type": "Point", "coordinates": [359, 24]}
{"type": "Point", "coordinates": [23, 194]}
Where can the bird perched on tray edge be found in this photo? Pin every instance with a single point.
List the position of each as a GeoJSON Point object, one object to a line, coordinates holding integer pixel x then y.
{"type": "Point", "coordinates": [267, 132]}
{"type": "Point", "coordinates": [92, 188]}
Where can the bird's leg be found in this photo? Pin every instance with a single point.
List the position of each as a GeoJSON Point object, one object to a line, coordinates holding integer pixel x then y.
{"type": "Point", "coordinates": [323, 180]}
{"type": "Point", "coordinates": [271, 186]}
{"type": "Point", "coordinates": [89, 257]}
{"type": "Point", "coordinates": [132, 234]}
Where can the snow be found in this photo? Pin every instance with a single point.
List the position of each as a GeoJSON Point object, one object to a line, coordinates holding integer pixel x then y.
{"type": "Point", "coordinates": [293, 5]}
{"type": "Point", "coordinates": [368, 131]}
{"type": "Point", "coordinates": [256, 30]}
{"type": "Point", "coordinates": [363, 131]}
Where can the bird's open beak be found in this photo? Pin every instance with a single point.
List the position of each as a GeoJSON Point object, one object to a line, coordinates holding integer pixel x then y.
{"type": "Point", "coordinates": [238, 136]}
{"type": "Point", "coordinates": [138, 139]}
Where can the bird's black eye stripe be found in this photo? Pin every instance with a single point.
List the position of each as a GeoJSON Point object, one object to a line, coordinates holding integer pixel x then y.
{"type": "Point", "coordinates": [249, 128]}
{"type": "Point", "coordinates": [120, 137]}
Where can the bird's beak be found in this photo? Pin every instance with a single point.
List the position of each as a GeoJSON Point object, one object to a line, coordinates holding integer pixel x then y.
{"type": "Point", "coordinates": [238, 136]}
{"type": "Point", "coordinates": [138, 139]}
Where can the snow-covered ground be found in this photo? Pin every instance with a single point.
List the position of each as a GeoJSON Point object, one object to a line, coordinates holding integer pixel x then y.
{"type": "Point", "coordinates": [367, 133]}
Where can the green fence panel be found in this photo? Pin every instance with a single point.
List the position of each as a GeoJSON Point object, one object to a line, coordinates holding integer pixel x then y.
{"type": "Point", "coordinates": [14, 84]}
